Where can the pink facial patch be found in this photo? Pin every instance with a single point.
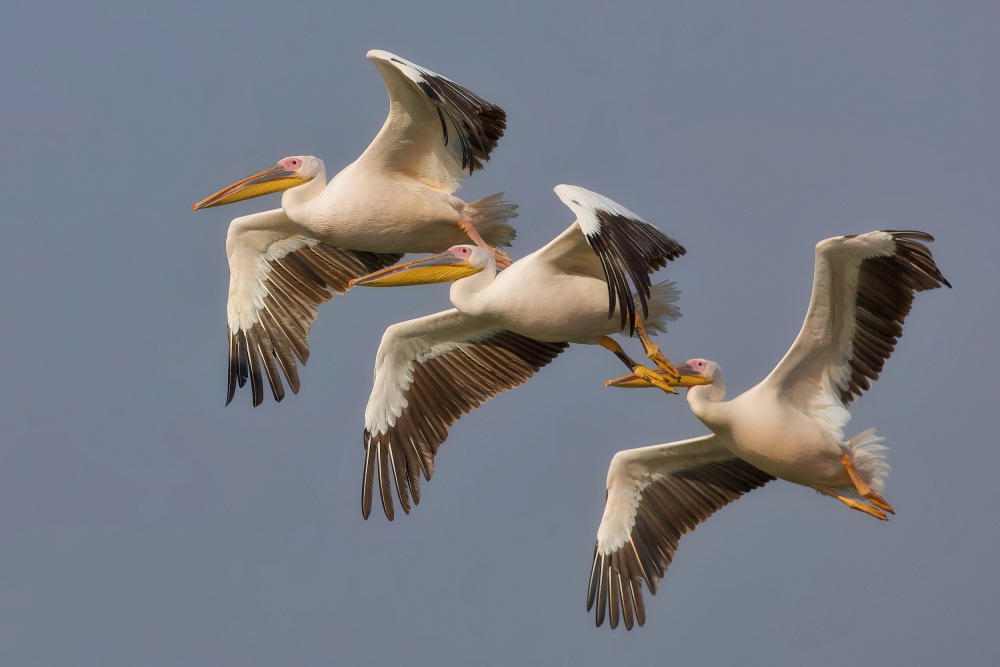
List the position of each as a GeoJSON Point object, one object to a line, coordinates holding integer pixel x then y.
{"type": "Point", "coordinates": [291, 164]}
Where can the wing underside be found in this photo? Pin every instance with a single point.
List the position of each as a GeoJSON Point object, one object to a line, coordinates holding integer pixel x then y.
{"type": "Point", "coordinates": [275, 291]}
{"type": "Point", "coordinates": [423, 383]}
{"type": "Point", "coordinates": [863, 289]}
{"type": "Point", "coordinates": [655, 496]}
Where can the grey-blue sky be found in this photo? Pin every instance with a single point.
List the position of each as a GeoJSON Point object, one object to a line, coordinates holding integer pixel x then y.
{"type": "Point", "coordinates": [142, 523]}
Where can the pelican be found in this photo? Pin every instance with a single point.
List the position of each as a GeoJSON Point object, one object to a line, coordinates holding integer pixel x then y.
{"type": "Point", "coordinates": [504, 327]}
{"type": "Point", "coordinates": [395, 198]}
{"type": "Point", "coordinates": [790, 426]}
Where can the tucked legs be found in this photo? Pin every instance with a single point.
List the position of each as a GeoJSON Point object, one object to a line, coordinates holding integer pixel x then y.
{"type": "Point", "coordinates": [854, 504]}
{"type": "Point", "coordinates": [867, 492]}
{"type": "Point", "coordinates": [653, 352]}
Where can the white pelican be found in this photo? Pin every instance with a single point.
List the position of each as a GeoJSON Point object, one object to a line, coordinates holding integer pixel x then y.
{"type": "Point", "coordinates": [393, 199]}
{"type": "Point", "coordinates": [790, 426]}
{"type": "Point", "coordinates": [504, 327]}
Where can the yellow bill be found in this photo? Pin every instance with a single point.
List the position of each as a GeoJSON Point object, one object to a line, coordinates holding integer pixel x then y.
{"type": "Point", "coordinates": [275, 179]}
{"type": "Point", "coordinates": [440, 268]}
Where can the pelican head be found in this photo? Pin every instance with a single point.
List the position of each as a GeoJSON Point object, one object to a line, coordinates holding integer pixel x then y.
{"type": "Point", "coordinates": [288, 173]}
{"type": "Point", "coordinates": [454, 263]}
{"type": "Point", "coordinates": [693, 372]}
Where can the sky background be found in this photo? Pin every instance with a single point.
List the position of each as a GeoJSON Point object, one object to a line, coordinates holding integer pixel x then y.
{"type": "Point", "coordinates": [141, 522]}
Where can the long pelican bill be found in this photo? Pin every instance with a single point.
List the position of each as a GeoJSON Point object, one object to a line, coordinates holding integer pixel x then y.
{"type": "Point", "coordinates": [440, 268]}
{"type": "Point", "coordinates": [689, 378]}
{"type": "Point", "coordinates": [275, 179]}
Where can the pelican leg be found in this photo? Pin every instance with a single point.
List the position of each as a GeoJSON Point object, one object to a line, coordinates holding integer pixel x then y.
{"type": "Point", "coordinates": [867, 492]}
{"type": "Point", "coordinates": [854, 504]}
{"type": "Point", "coordinates": [653, 351]}
{"type": "Point", "coordinates": [499, 256]}
{"type": "Point", "coordinates": [638, 370]}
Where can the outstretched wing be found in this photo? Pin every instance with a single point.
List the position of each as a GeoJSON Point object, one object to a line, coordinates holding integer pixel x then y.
{"type": "Point", "coordinates": [609, 241]}
{"type": "Point", "coordinates": [656, 495]}
{"type": "Point", "coordinates": [863, 288]}
{"type": "Point", "coordinates": [278, 278]}
{"type": "Point", "coordinates": [428, 373]}
{"type": "Point", "coordinates": [436, 130]}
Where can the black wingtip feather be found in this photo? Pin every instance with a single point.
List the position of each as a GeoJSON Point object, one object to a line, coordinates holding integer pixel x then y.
{"type": "Point", "coordinates": [234, 369]}
{"type": "Point", "coordinates": [480, 123]}
{"type": "Point", "coordinates": [383, 481]}
{"type": "Point", "coordinates": [592, 586]}
{"type": "Point", "coordinates": [368, 477]}
{"type": "Point", "coordinates": [630, 250]}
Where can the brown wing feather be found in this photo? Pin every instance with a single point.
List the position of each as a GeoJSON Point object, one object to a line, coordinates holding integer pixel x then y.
{"type": "Point", "coordinates": [886, 288]}
{"type": "Point", "coordinates": [296, 285]}
{"type": "Point", "coordinates": [443, 389]}
{"type": "Point", "coordinates": [668, 508]}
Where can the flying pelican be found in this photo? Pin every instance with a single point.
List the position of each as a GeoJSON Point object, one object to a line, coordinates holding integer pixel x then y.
{"type": "Point", "coordinates": [504, 327]}
{"type": "Point", "coordinates": [790, 426]}
{"type": "Point", "coordinates": [395, 198]}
